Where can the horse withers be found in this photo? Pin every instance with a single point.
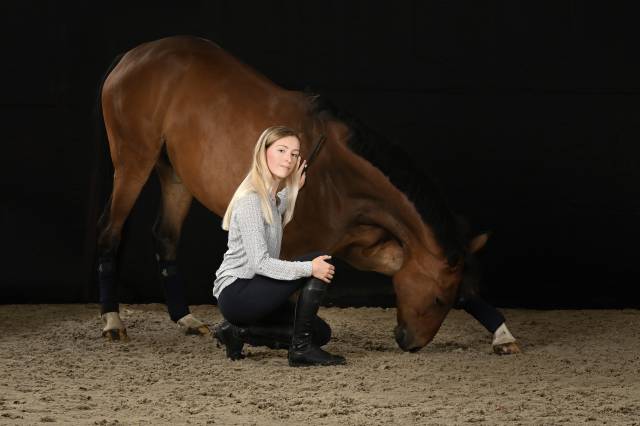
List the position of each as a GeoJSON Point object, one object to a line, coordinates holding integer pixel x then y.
{"type": "Point", "coordinates": [191, 111]}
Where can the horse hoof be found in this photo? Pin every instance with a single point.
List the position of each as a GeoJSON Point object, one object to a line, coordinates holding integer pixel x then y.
{"type": "Point", "coordinates": [118, 335]}
{"type": "Point", "coordinates": [193, 326]}
{"type": "Point", "coordinates": [203, 330]}
{"type": "Point", "coordinates": [507, 349]}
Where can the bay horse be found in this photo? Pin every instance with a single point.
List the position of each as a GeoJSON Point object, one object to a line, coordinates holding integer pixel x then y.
{"type": "Point", "coordinates": [191, 111]}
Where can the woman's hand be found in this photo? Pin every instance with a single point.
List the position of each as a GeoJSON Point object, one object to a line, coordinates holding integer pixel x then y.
{"type": "Point", "coordinates": [301, 167]}
{"type": "Point", "coordinates": [322, 270]}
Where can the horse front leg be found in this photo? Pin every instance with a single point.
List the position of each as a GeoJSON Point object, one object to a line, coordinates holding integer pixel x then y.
{"type": "Point", "coordinates": [503, 341]}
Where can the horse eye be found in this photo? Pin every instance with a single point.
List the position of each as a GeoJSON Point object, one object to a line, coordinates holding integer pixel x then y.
{"type": "Point", "coordinates": [439, 301]}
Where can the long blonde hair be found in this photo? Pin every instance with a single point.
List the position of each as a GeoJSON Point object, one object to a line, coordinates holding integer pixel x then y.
{"type": "Point", "coordinates": [260, 180]}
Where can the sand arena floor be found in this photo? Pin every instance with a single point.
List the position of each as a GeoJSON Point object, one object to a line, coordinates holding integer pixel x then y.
{"type": "Point", "coordinates": [577, 367]}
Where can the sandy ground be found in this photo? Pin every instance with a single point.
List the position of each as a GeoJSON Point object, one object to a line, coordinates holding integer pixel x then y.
{"type": "Point", "coordinates": [577, 367]}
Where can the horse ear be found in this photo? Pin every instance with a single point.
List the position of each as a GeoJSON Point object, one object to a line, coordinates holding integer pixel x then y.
{"type": "Point", "coordinates": [478, 242]}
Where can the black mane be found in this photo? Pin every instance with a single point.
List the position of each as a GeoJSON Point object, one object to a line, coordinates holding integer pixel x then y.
{"type": "Point", "coordinates": [401, 170]}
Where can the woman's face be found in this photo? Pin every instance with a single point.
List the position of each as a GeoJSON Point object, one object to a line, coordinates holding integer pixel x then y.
{"type": "Point", "coordinates": [282, 156]}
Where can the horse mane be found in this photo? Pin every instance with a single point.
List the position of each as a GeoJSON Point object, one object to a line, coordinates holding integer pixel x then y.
{"type": "Point", "coordinates": [400, 168]}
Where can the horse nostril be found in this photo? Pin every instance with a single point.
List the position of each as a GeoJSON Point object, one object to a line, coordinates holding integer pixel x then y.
{"type": "Point", "coordinates": [399, 333]}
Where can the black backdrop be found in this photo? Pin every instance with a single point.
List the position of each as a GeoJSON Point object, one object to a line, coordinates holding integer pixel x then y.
{"type": "Point", "coordinates": [526, 114]}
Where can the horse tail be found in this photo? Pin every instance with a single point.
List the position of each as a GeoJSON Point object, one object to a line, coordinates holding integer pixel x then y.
{"type": "Point", "coordinates": [100, 186]}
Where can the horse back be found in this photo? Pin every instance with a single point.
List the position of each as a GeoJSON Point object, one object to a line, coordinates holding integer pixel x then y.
{"type": "Point", "coordinates": [206, 106]}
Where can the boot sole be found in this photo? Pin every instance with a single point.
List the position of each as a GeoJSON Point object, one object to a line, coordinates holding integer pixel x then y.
{"type": "Point", "coordinates": [316, 364]}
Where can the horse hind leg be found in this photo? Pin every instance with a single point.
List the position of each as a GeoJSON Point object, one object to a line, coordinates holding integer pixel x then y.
{"type": "Point", "coordinates": [176, 201]}
{"type": "Point", "coordinates": [127, 185]}
{"type": "Point", "coordinates": [108, 242]}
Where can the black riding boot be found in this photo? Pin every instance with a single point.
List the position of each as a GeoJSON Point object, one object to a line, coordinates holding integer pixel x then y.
{"type": "Point", "coordinates": [303, 351]}
{"type": "Point", "coordinates": [229, 336]}
{"type": "Point", "coordinates": [233, 337]}
{"type": "Point", "coordinates": [273, 336]}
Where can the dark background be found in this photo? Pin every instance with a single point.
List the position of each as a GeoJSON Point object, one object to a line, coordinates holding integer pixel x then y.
{"type": "Point", "coordinates": [526, 114]}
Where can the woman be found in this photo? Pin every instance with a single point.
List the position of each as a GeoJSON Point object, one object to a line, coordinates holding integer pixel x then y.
{"type": "Point", "coordinates": [253, 286]}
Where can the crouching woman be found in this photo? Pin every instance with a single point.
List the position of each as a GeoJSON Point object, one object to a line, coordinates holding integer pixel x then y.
{"type": "Point", "coordinates": [267, 301]}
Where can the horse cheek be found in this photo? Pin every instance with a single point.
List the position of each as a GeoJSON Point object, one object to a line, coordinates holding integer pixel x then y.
{"type": "Point", "coordinates": [417, 312]}
{"type": "Point", "coordinates": [408, 297]}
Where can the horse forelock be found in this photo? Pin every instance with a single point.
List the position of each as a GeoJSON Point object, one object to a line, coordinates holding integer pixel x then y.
{"type": "Point", "coordinates": [392, 160]}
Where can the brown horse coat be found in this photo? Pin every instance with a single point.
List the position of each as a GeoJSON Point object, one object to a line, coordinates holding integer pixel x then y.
{"type": "Point", "coordinates": [206, 109]}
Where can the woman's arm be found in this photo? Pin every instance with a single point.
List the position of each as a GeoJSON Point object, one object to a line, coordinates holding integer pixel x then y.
{"type": "Point", "coordinates": [248, 215]}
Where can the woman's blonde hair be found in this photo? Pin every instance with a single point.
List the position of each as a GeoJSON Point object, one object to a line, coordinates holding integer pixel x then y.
{"type": "Point", "coordinates": [260, 180]}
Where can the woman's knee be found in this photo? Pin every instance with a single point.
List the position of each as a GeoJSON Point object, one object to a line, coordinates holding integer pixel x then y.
{"type": "Point", "coordinates": [321, 332]}
{"type": "Point", "coordinates": [310, 256]}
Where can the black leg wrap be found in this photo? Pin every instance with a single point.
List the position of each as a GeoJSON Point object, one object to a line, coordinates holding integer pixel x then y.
{"type": "Point", "coordinates": [173, 288]}
{"type": "Point", "coordinates": [486, 314]}
{"type": "Point", "coordinates": [107, 283]}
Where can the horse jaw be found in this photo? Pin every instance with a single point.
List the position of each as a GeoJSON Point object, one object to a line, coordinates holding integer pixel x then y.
{"type": "Point", "coordinates": [371, 248]}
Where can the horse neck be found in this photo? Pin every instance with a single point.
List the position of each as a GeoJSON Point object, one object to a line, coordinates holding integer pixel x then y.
{"type": "Point", "coordinates": [374, 200]}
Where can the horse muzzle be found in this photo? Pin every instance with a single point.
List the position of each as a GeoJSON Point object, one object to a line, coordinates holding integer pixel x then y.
{"type": "Point", "coordinates": [405, 339]}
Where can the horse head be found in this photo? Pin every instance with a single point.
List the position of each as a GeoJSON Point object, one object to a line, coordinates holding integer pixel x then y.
{"type": "Point", "coordinates": [387, 216]}
{"type": "Point", "coordinates": [426, 289]}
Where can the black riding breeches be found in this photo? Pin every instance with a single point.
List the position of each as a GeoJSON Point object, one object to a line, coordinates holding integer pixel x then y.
{"type": "Point", "coordinates": [262, 300]}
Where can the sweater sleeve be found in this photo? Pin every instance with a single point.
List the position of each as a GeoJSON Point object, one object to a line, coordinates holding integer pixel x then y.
{"type": "Point", "coordinates": [282, 195]}
{"type": "Point", "coordinates": [248, 214]}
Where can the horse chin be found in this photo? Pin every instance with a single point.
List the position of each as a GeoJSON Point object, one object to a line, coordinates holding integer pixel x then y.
{"type": "Point", "coordinates": [412, 348]}
{"type": "Point", "coordinates": [417, 345]}
{"type": "Point", "coordinates": [406, 340]}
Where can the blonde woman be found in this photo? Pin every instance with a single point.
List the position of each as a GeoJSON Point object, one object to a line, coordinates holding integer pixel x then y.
{"type": "Point", "coordinates": [253, 286]}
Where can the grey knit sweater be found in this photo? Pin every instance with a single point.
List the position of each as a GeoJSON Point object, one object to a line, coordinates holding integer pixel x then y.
{"type": "Point", "coordinates": [254, 245]}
